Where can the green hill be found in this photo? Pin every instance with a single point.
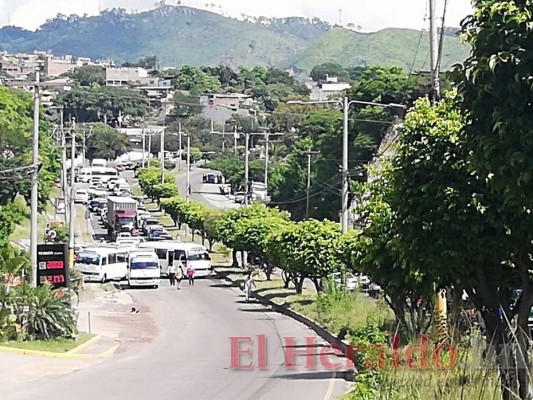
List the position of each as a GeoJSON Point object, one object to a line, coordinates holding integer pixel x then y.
{"type": "Point", "coordinates": [396, 47]}
{"type": "Point", "coordinates": [183, 35]}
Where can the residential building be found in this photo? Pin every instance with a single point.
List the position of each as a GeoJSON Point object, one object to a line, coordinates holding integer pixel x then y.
{"type": "Point", "coordinates": [221, 107]}
{"type": "Point", "coordinates": [128, 76]}
{"type": "Point", "coordinates": [56, 66]}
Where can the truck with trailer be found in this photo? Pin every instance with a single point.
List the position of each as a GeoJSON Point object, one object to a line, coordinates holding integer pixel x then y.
{"type": "Point", "coordinates": [121, 215]}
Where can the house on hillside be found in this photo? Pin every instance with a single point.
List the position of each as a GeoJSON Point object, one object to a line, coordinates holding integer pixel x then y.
{"type": "Point", "coordinates": [129, 76]}
{"type": "Point", "coordinates": [221, 107]}
{"type": "Point", "coordinates": [329, 89]}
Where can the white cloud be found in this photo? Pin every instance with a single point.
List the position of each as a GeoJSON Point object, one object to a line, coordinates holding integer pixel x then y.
{"type": "Point", "coordinates": [370, 14]}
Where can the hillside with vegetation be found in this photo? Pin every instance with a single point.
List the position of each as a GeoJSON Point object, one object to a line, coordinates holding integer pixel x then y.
{"type": "Point", "coordinates": [180, 35]}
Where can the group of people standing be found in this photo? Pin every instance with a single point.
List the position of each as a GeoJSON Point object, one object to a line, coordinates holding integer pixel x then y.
{"type": "Point", "coordinates": [176, 274]}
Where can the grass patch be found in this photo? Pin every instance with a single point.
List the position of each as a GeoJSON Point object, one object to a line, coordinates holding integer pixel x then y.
{"type": "Point", "coordinates": [23, 230]}
{"type": "Point", "coordinates": [53, 346]}
{"type": "Point", "coordinates": [335, 310]}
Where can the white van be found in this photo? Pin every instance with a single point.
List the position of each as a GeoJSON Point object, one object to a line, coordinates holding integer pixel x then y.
{"type": "Point", "coordinates": [143, 269]}
{"type": "Point", "coordinates": [99, 162]}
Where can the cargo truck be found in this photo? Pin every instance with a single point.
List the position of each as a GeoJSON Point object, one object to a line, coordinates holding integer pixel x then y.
{"type": "Point", "coordinates": [121, 215]}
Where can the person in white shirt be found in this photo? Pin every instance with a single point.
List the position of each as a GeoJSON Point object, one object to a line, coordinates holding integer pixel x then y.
{"type": "Point", "coordinates": [171, 272]}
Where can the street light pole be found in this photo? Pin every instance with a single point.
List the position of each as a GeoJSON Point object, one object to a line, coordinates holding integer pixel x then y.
{"type": "Point", "coordinates": [34, 182]}
{"type": "Point", "coordinates": [163, 155]}
{"type": "Point", "coordinates": [345, 175]}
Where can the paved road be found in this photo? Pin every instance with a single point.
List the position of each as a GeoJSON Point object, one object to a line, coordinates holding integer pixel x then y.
{"type": "Point", "coordinates": [190, 355]}
{"type": "Point", "coordinates": [206, 193]}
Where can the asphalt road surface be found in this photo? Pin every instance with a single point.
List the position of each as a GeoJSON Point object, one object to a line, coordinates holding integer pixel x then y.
{"type": "Point", "coordinates": [207, 193]}
{"type": "Point", "coordinates": [191, 355]}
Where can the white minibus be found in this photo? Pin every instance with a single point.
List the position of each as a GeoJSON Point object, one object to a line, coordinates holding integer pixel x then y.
{"type": "Point", "coordinates": [103, 263]}
{"type": "Point", "coordinates": [143, 269]}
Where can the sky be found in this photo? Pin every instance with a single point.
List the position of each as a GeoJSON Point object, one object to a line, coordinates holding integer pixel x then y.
{"type": "Point", "coordinates": [370, 15]}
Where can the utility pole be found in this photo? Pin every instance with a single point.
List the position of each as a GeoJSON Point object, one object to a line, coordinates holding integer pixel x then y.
{"type": "Point", "coordinates": [83, 149]}
{"type": "Point", "coordinates": [149, 147]}
{"type": "Point", "coordinates": [235, 138]}
{"type": "Point", "coordinates": [180, 150]}
{"type": "Point", "coordinates": [163, 155]}
{"type": "Point", "coordinates": [345, 176]}
{"type": "Point", "coordinates": [309, 153]}
{"type": "Point", "coordinates": [246, 172]}
{"type": "Point", "coordinates": [34, 181]}
{"type": "Point", "coordinates": [434, 51]}
{"type": "Point", "coordinates": [72, 205]}
{"type": "Point", "coordinates": [188, 169]}
{"type": "Point", "coordinates": [144, 147]}
{"type": "Point", "coordinates": [266, 159]}
{"type": "Point", "coordinates": [63, 163]}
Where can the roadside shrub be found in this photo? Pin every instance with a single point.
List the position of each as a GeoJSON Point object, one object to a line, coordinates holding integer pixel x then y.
{"type": "Point", "coordinates": [41, 314]}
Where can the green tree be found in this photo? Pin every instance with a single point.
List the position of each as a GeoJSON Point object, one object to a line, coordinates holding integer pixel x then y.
{"type": "Point", "coordinates": [494, 85]}
{"type": "Point", "coordinates": [88, 75]}
{"type": "Point", "coordinates": [107, 143]}
{"type": "Point", "coordinates": [103, 104]}
{"type": "Point", "coordinates": [164, 191]}
{"type": "Point", "coordinates": [308, 249]}
{"type": "Point", "coordinates": [196, 81]}
{"type": "Point", "coordinates": [319, 72]}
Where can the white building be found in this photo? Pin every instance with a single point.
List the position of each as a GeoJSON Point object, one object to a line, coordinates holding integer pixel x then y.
{"type": "Point", "coordinates": [130, 75]}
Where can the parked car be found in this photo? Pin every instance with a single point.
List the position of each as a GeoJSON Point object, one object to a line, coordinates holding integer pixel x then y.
{"type": "Point", "coordinates": [351, 280]}
{"type": "Point", "coordinates": [81, 196]}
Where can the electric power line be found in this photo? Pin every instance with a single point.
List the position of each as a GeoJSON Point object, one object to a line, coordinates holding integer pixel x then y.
{"type": "Point", "coordinates": [419, 41]}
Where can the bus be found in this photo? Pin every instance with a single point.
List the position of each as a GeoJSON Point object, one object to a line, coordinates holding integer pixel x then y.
{"type": "Point", "coordinates": [143, 269]}
{"type": "Point", "coordinates": [191, 254]}
{"type": "Point", "coordinates": [105, 174]}
{"type": "Point", "coordinates": [164, 250]}
{"type": "Point", "coordinates": [194, 255]}
{"type": "Point", "coordinates": [103, 263]}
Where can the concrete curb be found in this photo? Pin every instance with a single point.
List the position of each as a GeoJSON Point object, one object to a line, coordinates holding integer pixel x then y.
{"type": "Point", "coordinates": [68, 355]}
{"type": "Point", "coordinates": [84, 345]}
{"type": "Point", "coordinates": [319, 330]}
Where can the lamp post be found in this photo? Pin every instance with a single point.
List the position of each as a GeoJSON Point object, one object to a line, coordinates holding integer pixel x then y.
{"type": "Point", "coordinates": [37, 84]}
{"type": "Point", "coordinates": [345, 104]}
{"type": "Point", "coordinates": [246, 161]}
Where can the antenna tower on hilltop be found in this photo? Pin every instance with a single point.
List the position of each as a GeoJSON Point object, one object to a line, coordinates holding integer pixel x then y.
{"type": "Point", "coordinates": [340, 16]}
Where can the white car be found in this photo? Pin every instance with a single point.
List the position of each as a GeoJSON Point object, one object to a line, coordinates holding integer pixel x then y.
{"type": "Point", "coordinates": [353, 281]}
{"type": "Point", "coordinates": [81, 196]}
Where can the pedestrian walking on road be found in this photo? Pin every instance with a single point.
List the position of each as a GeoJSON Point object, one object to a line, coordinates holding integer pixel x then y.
{"type": "Point", "coordinates": [179, 274]}
{"type": "Point", "coordinates": [190, 275]}
{"type": "Point", "coordinates": [171, 272]}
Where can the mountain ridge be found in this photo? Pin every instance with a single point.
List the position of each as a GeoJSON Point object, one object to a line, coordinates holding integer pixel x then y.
{"type": "Point", "coordinates": [181, 35]}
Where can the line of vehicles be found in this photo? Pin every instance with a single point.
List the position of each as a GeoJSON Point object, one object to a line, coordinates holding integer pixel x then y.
{"type": "Point", "coordinates": [140, 248]}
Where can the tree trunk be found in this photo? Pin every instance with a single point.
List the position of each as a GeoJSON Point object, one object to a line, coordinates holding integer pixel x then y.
{"type": "Point", "coordinates": [243, 259]}
{"type": "Point", "coordinates": [203, 238]}
{"type": "Point", "coordinates": [235, 261]}
{"type": "Point", "coordinates": [299, 284]}
{"type": "Point", "coordinates": [211, 243]}
{"type": "Point", "coordinates": [318, 284]}
{"type": "Point", "coordinates": [287, 278]}
{"type": "Point", "coordinates": [268, 271]}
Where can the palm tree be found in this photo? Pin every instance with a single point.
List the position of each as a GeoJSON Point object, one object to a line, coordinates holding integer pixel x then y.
{"type": "Point", "coordinates": [12, 262]}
